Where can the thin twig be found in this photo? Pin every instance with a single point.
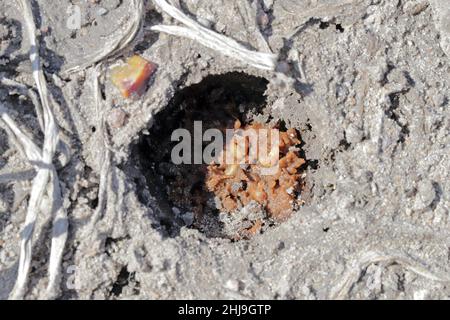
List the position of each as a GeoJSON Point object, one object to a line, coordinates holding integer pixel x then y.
{"type": "Point", "coordinates": [344, 286]}
{"type": "Point", "coordinates": [105, 161]}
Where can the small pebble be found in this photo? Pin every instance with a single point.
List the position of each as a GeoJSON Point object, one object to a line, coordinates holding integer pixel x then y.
{"type": "Point", "coordinates": [425, 195]}
{"type": "Point", "coordinates": [420, 294]}
{"type": "Point", "coordinates": [263, 20]}
{"type": "Point", "coordinates": [101, 11]}
{"type": "Point", "coordinates": [188, 218]}
{"type": "Point", "coordinates": [283, 67]}
{"type": "Point", "coordinates": [117, 118]}
{"type": "Point", "coordinates": [232, 285]}
{"type": "Point", "coordinates": [83, 32]}
{"type": "Point", "coordinates": [414, 8]}
{"type": "Point", "coordinates": [45, 29]}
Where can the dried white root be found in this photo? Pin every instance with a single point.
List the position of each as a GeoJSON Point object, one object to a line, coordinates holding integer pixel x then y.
{"type": "Point", "coordinates": [116, 44]}
{"type": "Point", "coordinates": [46, 175]}
{"type": "Point", "coordinates": [343, 288]}
{"type": "Point", "coordinates": [34, 156]}
{"type": "Point", "coordinates": [105, 161]}
{"type": "Point", "coordinates": [213, 40]}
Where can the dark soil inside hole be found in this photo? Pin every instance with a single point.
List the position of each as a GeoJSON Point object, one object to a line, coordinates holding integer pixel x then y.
{"type": "Point", "coordinates": [218, 101]}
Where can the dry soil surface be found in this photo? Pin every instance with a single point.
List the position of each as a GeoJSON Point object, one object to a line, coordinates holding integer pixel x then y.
{"type": "Point", "coordinates": [370, 100]}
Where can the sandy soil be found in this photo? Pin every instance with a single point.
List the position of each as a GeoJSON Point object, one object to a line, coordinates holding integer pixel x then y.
{"type": "Point", "coordinates": [371, 100]}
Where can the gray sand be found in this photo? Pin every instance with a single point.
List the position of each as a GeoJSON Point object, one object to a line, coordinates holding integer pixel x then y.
{"type": "Point", "coordinates": [371, 101]}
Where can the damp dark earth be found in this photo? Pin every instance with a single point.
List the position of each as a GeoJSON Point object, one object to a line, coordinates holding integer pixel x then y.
{"type": "Point", "coordinates": [358, 91]}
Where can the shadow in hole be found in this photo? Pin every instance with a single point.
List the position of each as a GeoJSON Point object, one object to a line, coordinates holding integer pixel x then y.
{"type": "Point", "coordinates": [217, 101]}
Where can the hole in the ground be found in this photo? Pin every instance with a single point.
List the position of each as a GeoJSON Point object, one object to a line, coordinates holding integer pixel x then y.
{"type": "Point", "coordinates": [339, 28]}
{"type": "Point", "coordinates": [324, 25]}
{"type": "Point", "coordinates": [223, 199]}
